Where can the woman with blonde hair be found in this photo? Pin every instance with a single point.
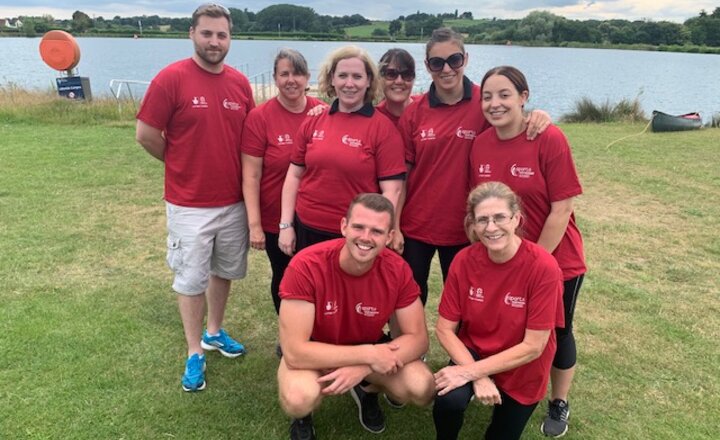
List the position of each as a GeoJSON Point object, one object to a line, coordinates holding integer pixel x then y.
{"type": "Point", "coordinates": [347, 150]}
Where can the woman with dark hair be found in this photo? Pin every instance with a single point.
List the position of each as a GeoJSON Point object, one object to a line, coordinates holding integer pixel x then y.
{"type": "Point", "coordinates": [507, 292]}
{"type": "Point", "coordinates": [269, 135]}
{"type": "Point", "coordinates": [347, 150]}
{"type": "Point", "coordinates": [438, 130]}
{"type": "Point", "coordinates": [542, 173]}
{"type": "Point", "coordinates": [397, 69]}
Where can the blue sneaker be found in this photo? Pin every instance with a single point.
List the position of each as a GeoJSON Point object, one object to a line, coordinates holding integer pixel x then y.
{"type": "Point", "coordinates": [228, 346]}
{"type": "Point", "coordinates": [194, 377]}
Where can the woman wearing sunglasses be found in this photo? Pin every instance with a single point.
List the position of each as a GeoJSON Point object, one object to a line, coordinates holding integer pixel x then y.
{"type": "Point", "coordinates": [268, 138]}
{"type": "Point", "coordinates": [346, 150]}
{"type": "Point", "coordinates": [438, 130]}
{"type": "Point", "coordinates": [397, 69]}
{"type": "Point", "coordinates": [507, 292]}
{"type": "Point", "coordinates": [542, 173]}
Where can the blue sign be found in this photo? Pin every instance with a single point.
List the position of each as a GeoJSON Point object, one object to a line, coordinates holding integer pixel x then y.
{"type": "Point", "coordinates": [74, 87]}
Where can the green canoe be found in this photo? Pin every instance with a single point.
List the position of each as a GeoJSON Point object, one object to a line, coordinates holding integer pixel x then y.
{"type": "Point", "coordinates": [665, 122]}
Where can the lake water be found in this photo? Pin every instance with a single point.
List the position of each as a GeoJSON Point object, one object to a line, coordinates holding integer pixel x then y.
{"type": "Point", "coordinates": [671, 82]}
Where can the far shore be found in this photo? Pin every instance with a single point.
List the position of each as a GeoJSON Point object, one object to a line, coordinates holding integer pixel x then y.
{"type": "Point", "coordinates": [289, 36]}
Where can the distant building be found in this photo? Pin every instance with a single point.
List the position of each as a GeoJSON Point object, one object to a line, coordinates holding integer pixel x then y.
{"type": "Point", "coordinates": [164, 27]}
{"type": "Point", "coordinates": [9, 23]}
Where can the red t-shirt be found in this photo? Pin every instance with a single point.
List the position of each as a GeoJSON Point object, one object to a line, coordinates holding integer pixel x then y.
{"type": "Point", "coordinates": [344, 154]}
{"type": "Point", "coordinates": [349, 310]}
{"type": "Point", "coordinates": [202, 115]}
{"type": "Point", "coordinates": [382, 108]}
{"type": "Point", "coordinates": [437, 140]}
{"type": "Point", "coordinates": [497, 302]}
{"type": "Point", "coordinates": [270, 133]}
{"type": "Point", "coordinates": [540, 171]}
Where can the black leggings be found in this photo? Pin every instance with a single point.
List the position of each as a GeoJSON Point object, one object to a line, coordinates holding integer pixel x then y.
{"type": "Point", "coordinates": [278, 264]}
{"type": "Point", "coordinates": [419, 255]}
{"type": "Point", "coordinates": [566, 354]}
{"type": "Point", "coordinates": [508, 419]}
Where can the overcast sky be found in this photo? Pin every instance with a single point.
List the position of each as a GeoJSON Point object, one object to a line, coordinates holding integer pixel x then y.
{"type": "Point", "coordinates": [672, 10]}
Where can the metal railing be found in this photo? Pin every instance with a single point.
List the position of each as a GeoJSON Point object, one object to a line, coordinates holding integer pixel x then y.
{"type": "Point", "coordinates": [118, 85]}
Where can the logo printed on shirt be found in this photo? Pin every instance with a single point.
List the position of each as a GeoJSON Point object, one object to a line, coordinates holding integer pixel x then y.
{"type": "Point", "coordinates": [331, 308]}
{"type": "Point", "coordinates": [199, 102]}
{"type": "Point", "coordinates": [230, 105]}
{"type": "Point", "coordinates": [476, 294]}
{"type": "Point", "coordinates": [367, 311]}
{"type": "Point", "coordinates": [517, 302]}
{"type": "Point", "coordinates": [521, 172]}
{"type": "Point", "coordinates": [284, 139]}
{"type": "Point", "coordinates": [465, 134]}
{"type": "Point", "coordinates": [351, 142]}
{"type": "Point", "coordinates": [318, 135]}
{"type": "Point", "coordinates": [427, 135]}
{"type": "Point", "coordinates": [484, 170]}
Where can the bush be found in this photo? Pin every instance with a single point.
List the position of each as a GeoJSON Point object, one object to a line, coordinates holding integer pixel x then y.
{"type": "Point", "coordinates": [624, 111]}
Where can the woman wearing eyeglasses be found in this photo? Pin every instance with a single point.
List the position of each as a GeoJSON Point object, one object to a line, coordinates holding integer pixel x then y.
{"type": "Point", "coordinates": [542, 173]}
{"type": "Point", "coordinates": [507, 292]}
{"type": "Point", "coordinates": [347, 150]}
{"type": "Point", "coordinates": [438, 130]}
{"type": "Point", "coordinates": [269, 135]}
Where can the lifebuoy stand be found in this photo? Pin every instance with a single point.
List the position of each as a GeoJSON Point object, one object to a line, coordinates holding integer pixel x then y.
{"type": "Point", "coordinates": [60, 51]}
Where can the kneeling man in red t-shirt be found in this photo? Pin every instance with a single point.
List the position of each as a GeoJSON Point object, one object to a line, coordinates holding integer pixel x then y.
{"type": "Point", "coordinates": [336, 298]}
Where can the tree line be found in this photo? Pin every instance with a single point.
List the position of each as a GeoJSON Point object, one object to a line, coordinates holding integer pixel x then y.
{"type": "Point", "coordinates": [538, 27]}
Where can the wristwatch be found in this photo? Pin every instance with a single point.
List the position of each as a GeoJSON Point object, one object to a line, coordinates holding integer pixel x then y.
{"type": "Point", "coordinates": [284, 225]}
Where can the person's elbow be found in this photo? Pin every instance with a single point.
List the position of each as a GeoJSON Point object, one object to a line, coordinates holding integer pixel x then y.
{"type": "Point", "coordinates": [535, 349]}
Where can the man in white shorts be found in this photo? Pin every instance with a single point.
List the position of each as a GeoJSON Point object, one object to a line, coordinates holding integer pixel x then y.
{"type": "Point", "coordinates": [336, 297]}
{"type": "Point", "coordinates": [192, 119]}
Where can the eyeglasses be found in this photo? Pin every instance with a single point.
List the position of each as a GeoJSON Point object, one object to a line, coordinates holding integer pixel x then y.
{"type": "Point", "coordinates": [203, 8]}
{"type": "Point", "coordinates": [455, 61]}
{"type": "Point", "coordinates": [498, 219]}
{"type": "Point", "coordinates": [392, 74]}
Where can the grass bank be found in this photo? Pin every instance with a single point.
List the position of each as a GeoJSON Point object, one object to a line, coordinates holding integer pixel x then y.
{"type": "Point", "coordinates": [93, 346]}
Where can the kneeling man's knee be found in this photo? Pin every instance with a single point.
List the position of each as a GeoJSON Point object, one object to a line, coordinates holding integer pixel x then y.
{"type": "Point", "coordinates": [300, 399]}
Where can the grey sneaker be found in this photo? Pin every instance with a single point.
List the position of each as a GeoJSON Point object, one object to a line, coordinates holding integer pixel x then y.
{"type": "Point", "coordinates": [556, 422]}
{"type": "Point", "coordinates": [302, 429]}
{"type": "Point", "coordinates": [394, 403]}
{"type": "Point", "coordinates": [369, 411]}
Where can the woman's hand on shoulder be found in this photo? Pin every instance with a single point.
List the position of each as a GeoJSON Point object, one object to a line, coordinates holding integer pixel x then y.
{"type": "Point", "coordinates": [537, 122]}
{"type": "Point", "coordinates": [317, 110]}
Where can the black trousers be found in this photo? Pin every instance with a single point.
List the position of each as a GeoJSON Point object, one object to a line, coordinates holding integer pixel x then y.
{"type": "Point", "coordinates": [306, 236]}
{"type": "Point", "coordinates": [278, 263]}
{"type": "Point", "coordinates": [508, 419]}
{"type": "Point", "coordinates": [419, 255]}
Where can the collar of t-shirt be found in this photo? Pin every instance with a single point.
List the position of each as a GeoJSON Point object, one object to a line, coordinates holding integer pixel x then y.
{"type": "Point", "coordinates": [467, 93]}
{"type": "Point", "coordinates": [366, 110]}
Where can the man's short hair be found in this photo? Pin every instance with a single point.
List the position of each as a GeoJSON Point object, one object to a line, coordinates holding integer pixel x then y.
{"type": "Point", "coordinates": [374, 202]}
{"type": "Point", "coordinates": [213, 10]}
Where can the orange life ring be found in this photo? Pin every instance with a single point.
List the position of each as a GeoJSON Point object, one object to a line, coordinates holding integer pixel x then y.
{"type": "Point", "coordinates": [59, 50]}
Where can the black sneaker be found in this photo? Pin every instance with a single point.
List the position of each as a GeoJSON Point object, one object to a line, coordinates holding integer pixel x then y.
{"type": "Point", "coordinates": [302, 429]}
{"type": "Point", "coordinates": [556, 422]}
{"type": "Point", "coordinates": [369, 412]}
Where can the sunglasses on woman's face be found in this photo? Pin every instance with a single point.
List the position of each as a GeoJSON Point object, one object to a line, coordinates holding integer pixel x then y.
{"type": "Point", "coordinates": [455, 61]}
{"type": "Point", "coordinates": [392, 74]}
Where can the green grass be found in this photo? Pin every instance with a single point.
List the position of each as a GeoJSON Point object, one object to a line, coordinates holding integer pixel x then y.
{"type": "Point", "coordinates": [366, 30]}
{"type": "Point", "coordinates": [92, 342]}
